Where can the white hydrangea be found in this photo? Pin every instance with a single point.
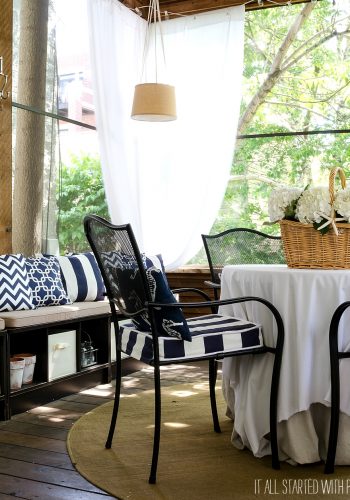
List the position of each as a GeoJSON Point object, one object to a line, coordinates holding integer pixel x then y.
{"type": "Point", "coordinates": [279, 200]}
{"type": "Point", "coordinates": [312, 202]}
{"type": "Point", "coordinates": [342, 203]}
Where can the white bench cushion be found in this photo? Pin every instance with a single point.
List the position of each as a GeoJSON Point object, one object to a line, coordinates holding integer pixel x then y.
{"type": "Point", "coordinates": [51, 314]}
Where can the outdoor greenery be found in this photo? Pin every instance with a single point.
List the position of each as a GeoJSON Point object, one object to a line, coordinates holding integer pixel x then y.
{"type": "Point", "coordinates": [296, 79]}
{"type": "Point", "coordinates": [81, 192]}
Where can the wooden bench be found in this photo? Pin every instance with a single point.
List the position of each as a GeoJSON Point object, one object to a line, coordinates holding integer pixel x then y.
{"type": "Point", "coordinates": [57, 336]}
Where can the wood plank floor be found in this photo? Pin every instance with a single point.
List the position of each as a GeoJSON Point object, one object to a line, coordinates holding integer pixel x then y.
{"type": "Point", "coordinates": [34, 463]}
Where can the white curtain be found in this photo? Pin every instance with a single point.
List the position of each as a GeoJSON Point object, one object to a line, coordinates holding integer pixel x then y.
{"type": "Point", "coordinates": [167, 179]}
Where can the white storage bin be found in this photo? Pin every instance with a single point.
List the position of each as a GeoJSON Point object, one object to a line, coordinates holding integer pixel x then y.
{"type": "Point", "coordinates": [62, 356]}
{"type": "Point", "coordinates": [113, 349]}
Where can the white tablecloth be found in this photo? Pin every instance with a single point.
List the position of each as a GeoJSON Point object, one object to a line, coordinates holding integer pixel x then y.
{"type": "Point", "coordinates": [306, 300]}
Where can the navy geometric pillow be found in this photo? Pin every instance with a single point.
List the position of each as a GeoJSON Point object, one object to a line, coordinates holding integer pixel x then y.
{"type": "Point", "coordinates": [15, 293]}
{"type": "Point", "coordinates": [45, 281]}
{"type": "Point", "coordinates": [81, 277]}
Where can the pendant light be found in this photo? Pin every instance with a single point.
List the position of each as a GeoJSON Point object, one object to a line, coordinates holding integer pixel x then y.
{"type": "Point", "coordinates": [153, 101]}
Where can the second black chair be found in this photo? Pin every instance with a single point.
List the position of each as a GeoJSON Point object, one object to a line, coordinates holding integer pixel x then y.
{"type": "Point", "coordinates": [240, 246]}
{"type": "Point", "coordinates": [335, 356]}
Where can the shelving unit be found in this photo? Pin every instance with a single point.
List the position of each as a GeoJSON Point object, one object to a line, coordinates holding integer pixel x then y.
{"type": "Point", "coordinates": [4, 386]}
{"type": "Point", "coordinates": [59, 369]}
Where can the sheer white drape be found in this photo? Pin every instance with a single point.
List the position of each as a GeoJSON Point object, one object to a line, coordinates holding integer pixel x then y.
{"type": "Point", "coordinates": [167, 179]}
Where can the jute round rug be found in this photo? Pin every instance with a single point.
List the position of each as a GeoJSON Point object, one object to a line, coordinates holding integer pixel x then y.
{"type": "Point", "coordinates": [195, 463]}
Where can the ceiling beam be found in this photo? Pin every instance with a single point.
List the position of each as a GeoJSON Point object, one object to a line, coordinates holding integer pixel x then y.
{"type": "Point", "coordinates": [174, 8]}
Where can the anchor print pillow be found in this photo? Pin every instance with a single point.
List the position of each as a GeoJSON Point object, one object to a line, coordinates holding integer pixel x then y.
{"type": "Point", "coordinates": [126, 284]}
{"type": "Point", "coordinates": [169, 321]}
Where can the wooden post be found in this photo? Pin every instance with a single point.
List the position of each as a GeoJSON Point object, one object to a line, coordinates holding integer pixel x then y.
{"type": "Point", "coordinates": [30, 128]}
{"type": "Point", "coordinates": [6, 130]}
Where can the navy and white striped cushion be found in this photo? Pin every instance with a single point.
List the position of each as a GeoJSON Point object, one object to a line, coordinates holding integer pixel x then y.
{"type": "Point", "coordinates": [81, 277]}
{"type": "Point", "coordinates": [15, 293]}
{"type": "Point", "coordinates": [211, 334]}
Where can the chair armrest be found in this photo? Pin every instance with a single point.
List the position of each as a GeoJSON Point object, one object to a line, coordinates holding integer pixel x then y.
{"type": "Point", "coordinates": [211, 284]}
{"type": "Point", "coordinates": [333, 330]}
{"type": "Point", "coordinates": [192, 290]}
{"type": "Point", "coordinates": [237, 300]}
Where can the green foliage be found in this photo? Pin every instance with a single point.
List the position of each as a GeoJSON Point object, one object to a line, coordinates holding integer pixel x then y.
{"type": "Point", "coordinates": [312, 92]}
{"type": "Point", "coordinates": [312, 85]}
{"type": "Point", "coordinates": [81, 192]}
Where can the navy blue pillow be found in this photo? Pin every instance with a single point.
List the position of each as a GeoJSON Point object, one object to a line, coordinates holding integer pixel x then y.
{"type": "Point", "coordinates": [45, 282]}
{"type": "Point", "coordinates": [170, 321]}
{"type": "Point", "coordinates": [122, 269]}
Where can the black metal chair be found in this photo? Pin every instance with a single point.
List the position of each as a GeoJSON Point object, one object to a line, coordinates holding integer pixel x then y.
{"type": "Point", "coordinates": [335, 357]}
{"type": "Point", "coordinates": [138, 290]}
{"type": "Point", "coordinates": [240, 246]}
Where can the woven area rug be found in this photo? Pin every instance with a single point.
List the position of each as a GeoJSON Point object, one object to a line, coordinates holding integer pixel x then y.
{"type": "Point", "coordinates": [194, 462]}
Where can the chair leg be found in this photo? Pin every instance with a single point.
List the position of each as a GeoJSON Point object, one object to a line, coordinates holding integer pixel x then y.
{"type": "Point", "coordinates": [216, 297]}
{"type": "Point", "coordinates": [335, 410]}
{"type": "Point", "coordinates": [157, 420]}
{"type": "Point", "coordinates": [273, 407]}
{"type": "Point", "coordinates": [118, 378]}
{"type": "Point", "coordinates": [213, 370]}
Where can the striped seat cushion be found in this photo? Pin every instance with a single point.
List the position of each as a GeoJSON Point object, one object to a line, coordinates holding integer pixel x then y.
{"type": "Point", "coordinates": [211, 334]}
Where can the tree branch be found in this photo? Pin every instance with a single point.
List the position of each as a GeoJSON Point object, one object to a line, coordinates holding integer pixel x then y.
{"type": "Point", "coordinates": [298, 106]}
{"type": "Point", "coordinates": [250, 35]}
{"type": "Point", "coordinates": [314, 46]}
{"type": "Point", "coordinates": [320, 34]}
{"type": "Point", "coordinates": [324, 99]}
{"type": "Point", "coordinates": [275, 69]}
{"type": "Point", "coordinates": [252, 177]}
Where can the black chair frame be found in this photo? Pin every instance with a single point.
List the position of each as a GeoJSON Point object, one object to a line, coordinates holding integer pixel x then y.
{"type": "Point", "coordinates": [335, 357]}
{"type": "Point", "coordinates": [118, 312]}
{"type": "Point", "coordinates": [216, 266]}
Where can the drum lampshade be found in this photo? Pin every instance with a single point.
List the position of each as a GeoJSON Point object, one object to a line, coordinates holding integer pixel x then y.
{"type": "Point", "coordinates": [154, 102]}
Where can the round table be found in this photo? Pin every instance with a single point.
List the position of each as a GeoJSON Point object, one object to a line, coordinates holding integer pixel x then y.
{"type": "Point", "coordinates": [306, 300]}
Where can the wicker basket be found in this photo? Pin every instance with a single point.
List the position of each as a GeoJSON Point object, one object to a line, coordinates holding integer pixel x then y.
{"type": "Point", "coordinates": [307, 248]}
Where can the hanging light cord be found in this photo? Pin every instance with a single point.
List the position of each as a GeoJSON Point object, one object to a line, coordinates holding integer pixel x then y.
{"type": "Point", "coordinates": [160, 30]}
{"type": "Point", "coordinates": [155, 15]}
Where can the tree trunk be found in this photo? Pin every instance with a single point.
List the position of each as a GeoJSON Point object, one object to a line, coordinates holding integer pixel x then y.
{"type": "Point", "coordinates": [275, 70]}
{"type": "Point", "coordinates": [6, 129]}
{"type": "Point", "coordinates": [30, 130]}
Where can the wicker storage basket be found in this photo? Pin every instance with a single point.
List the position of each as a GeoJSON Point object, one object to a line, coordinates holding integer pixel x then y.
{"type": "Point", "coordinates": [306, 248]}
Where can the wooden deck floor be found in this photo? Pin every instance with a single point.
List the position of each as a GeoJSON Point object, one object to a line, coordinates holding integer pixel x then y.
{"type": "Point", "coordinates": [34, 463]}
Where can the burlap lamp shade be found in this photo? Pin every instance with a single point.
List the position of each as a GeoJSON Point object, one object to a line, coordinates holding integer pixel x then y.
{"type": "Point", "coordinates": [154, 102]}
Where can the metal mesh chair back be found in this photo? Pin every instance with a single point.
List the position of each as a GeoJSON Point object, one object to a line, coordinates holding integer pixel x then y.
{"type": "Point", "coordinates": [241, 246]}
{"type": "Point", "coordinates": [120, 262]}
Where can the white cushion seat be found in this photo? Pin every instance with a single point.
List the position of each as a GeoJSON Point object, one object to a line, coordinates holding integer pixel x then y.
{"type": "Point", "coordinates": [211, 334]}
{"type": "Point", "coordinates": [46, 315]}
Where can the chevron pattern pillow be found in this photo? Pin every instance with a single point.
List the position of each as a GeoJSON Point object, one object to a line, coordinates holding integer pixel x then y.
{"type": "Point", "coordinates": [15, 293]}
